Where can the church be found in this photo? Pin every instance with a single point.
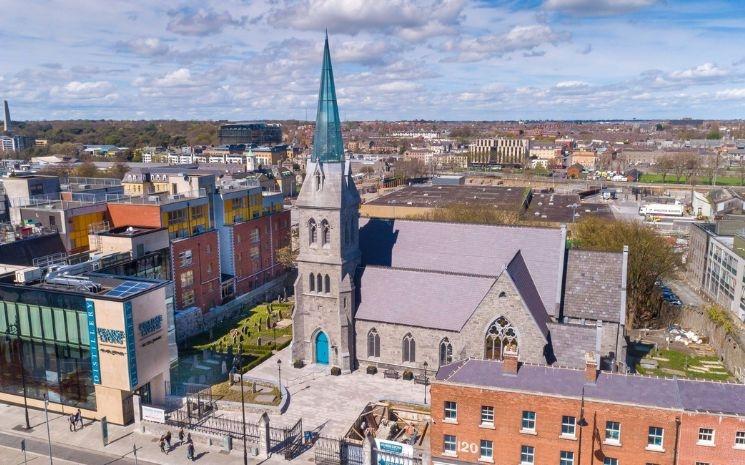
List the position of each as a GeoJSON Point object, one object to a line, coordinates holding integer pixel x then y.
{"type": "Point", "coordinates": [415, 295]}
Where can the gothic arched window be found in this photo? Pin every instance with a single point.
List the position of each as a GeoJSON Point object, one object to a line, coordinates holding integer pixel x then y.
{"type": "Point", "coordinates": [327, 284]}
{"type": "Point", "coordinates": [500, 334]}
{"type": "Point", "coordinates": [312, 231]}
{"type": "Point", "coordinates": [319, 282]}
{"type": "Point", "coordinates": [409, 348]}
{"type": "Point", "coordinates": [373, 343]}
{"type": "Point", "coordinates": [325, 233]}
{"type": "Point", "coordinates": [311, 282]}
{"type": "Point", "coordinates": [446, 352]}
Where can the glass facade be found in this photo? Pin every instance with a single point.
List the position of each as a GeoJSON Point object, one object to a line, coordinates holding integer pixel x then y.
{"type": "Point", "coordinates": [52, 349]}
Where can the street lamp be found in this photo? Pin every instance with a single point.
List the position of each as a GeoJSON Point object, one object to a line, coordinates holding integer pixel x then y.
{"type": "Point", "coordinates": [15, 330]}
{"type": "Point", "coordinates": [425, 383]}
{"type": "Point", "coordinates": [243, 407]}
{"type": "Point", "coordinates": [279, 375]}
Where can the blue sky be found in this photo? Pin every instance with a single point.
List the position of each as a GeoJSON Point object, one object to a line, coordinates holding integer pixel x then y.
{"type": "Point", "coordinates": [393, 59]}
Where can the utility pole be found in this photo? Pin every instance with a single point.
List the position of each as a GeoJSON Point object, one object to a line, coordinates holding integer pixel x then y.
{"type": "Point", "coordinates": [49, 435]}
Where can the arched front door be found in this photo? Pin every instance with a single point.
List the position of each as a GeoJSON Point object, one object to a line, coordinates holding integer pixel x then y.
{"type": "Point", "coordinates": [322, 348]}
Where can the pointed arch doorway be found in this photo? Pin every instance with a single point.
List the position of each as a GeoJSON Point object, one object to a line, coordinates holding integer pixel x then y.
{"type": "Point", "coordinates": [322, 348]}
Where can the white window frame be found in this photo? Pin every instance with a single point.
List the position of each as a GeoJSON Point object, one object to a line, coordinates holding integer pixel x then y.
{"type": "Point", "coordinates": [609, 439]}
{"type": "Point", "coordinates": [739, 439]}
{"type": "Point", "coordinates": [573, 426]}
{"type": "Point", "coordinates": [523, 419]}
{"type": "Point", "coordinates": [486, 412]}
{"type": "Point", "coordinates": [566, 457]}
{"type": "Point", "coordinates": [652, 446]}
{"type": "Point", "coordinates": [446, 443]}
{"type": "Point", "coordinates": [488, 446]}
{"type": "Point", "coordinates": [527, 452]}
{"type": "Point", "coordinates": [450, 410]}
{"type": "Point", "coordinates": [706, 436]}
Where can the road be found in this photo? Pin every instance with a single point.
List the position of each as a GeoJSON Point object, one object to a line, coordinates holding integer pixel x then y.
{"type": "Point", "coordinates": [38, 452]}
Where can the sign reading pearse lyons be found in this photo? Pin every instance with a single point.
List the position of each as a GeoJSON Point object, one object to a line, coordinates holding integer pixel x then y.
{"type": "Point", "coordinates": [151, 326]}
{"type": "Point", "coordinates": [111, 336]}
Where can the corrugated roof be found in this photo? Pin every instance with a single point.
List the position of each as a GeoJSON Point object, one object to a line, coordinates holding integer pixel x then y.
{"type": "Point", "coordinates": [688, 395]}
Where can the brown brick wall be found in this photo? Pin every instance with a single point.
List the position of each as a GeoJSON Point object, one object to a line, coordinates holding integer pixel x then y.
{"type": "Point", "coordinates": [205, 268]}
{"type": "Point", "coordinates": [723, 451]}
{"type": "Point", "coordinates": [547, 441]}
{"type": "Point", "coordinates": [273, 234]}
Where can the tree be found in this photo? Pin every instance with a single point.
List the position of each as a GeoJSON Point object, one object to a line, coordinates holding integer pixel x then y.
{"type": "Point", "coordinates": [713, 135]}
{"type": "Point", "coordinates": [367, 170]}
{"type": "Point", "coordinates": [86, 170]}
{"type": "Point", "coordinates": [651, 258]}
{"type": "Point", "coordinates": [691, 166]}
{"type": "Point", "coordinates": [118, 170]}
{"type": "Point", "coordinates": [664, 165]}
{"type": "Point", "coordinates": [287, 255]}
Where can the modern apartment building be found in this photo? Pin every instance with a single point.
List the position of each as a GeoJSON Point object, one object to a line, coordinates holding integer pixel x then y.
{"type": "Point", "coordinates": [499, 151]}
{"type": "Point", "coordinates": [250, 133]}
{"type": "Point", "coordinates": [502, 412]}
{"type": "Point", "coordinates": [716, 263]}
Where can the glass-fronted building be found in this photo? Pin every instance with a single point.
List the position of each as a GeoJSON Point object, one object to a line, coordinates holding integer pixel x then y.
{"type": "Point", "coordinates": [56, 347]}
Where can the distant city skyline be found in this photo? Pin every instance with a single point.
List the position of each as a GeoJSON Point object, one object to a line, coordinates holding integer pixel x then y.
{"type": "Point", "coordinates": [393, 59]}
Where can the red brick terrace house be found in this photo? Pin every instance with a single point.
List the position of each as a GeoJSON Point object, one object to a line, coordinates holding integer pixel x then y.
{"type": "Point", "coordinates": [499, 412]}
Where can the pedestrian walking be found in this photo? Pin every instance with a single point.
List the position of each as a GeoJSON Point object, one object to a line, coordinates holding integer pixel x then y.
{"type": "Point", "coordinates": [188, 438]}
{"type": "Point", "coordinates": [163, 445]}
{"type": "Point", "coordinates": [190, 451]}
{"type": "Point", "coordinates": [180, 436]}
{"type": "Point", "coordinates": [168, 439]}
{"type": "Point", "coordinates": [73, 425]}
{"type": "Point", "coordinates": [79, 418]}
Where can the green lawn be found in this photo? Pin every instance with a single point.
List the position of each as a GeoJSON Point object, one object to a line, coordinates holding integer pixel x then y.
{"type": "Point", "coordinates": [688, 365]}
{"type": "Point", "coordinates": [671, 179]}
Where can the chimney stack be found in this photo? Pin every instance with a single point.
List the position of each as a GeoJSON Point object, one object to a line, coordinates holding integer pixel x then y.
{"type": "Point", "coordinates": [591, 368]}
{"type": "Point", "coordinates": [6, 121]}
{"type": "Point", "coordinates": [510, 363]}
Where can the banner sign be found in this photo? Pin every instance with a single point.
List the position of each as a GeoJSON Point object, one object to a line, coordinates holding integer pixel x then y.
{"type": "Point", "coordinates": [90, 311]}
{"type": "Point", "coordinates": [157, 415]}
{"type": "Point", "coordinates": [129, 328]}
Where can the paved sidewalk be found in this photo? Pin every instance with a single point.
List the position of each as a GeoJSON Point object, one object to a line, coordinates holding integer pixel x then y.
{"type": "Point", "coordinates": [86, 446]}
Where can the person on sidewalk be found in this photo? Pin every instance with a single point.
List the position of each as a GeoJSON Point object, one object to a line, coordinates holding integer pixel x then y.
{"type": "Point", "coordinates": [190, 451]}
{"type": "Point", "coordinates": [181, 436]}
{"type": "Point", "coordinates": [73, 422]}
{"type": "Point", "coordinates": [168, 439]}
{"type": "Point", "coordinates": [188, 438]}
{"type": "Point", "coordinates": [79, 418]}
{"type": "Point", "coordinates": [163, 445]}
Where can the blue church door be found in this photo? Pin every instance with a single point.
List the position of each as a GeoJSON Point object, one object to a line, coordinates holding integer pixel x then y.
{"type": "Point", "coordinates": [322, 348]}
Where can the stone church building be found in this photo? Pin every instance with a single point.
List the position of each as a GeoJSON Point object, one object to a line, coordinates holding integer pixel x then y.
{"type": "Point", "coordinates": [401, 294]}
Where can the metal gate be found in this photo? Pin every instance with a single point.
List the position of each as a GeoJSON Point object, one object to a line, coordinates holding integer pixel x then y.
{"type": "Point", "coordinates": [216, 426]}
{"type": "Point", "coordinates": [338, 451]}
{"type": "Point", "coordinates": [288, 441]}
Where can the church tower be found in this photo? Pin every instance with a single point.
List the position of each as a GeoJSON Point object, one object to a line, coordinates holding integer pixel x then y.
{"type": "Point", "coordinates": [328, 217]}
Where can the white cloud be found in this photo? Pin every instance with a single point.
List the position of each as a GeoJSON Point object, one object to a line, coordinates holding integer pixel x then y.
{"type": "Point", "coordinates": [84, 90]}
{"type": "Point", "coordinates": [571, 84]}
{"type": "Point", "coordinates": [519, 38]}
{"type": "Point", "coordinates": [731, 94]}
{"type": "Point", "coordinates": [598, 7]}
{"type": "Point", "coordinates": [180, 77]}
{"type": "Point", "coordinates": [707, 70]}
{"type": "Point", "coordinates": [408, 19]}
{"type": "Point", "coordinates": [201, 22]}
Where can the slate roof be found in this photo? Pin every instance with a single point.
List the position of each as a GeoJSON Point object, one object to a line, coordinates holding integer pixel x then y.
{"type": "Point", "coordinates": [465, 249]}
{"type": "Point", "coordinates": [593, 285]}
{"type": "Point", "coordinates": [688, 395]}
{"type": "Point", "coordinates": [518, 271]}
{"type": "Point", "coordinates": [441, 301]}
{"type": "Point", "coordinates": [571, 342]}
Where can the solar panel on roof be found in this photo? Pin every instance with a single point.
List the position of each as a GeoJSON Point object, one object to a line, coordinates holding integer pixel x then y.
{"type": "Point", "coordinates": [128, 288]}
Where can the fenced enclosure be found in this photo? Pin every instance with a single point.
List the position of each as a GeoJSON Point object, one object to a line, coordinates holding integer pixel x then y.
{"type": "Point", "coordinates": [338, 451]}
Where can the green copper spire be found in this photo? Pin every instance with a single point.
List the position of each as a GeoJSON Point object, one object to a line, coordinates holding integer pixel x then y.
{"type": "Point", "coordinates": [328, 146]}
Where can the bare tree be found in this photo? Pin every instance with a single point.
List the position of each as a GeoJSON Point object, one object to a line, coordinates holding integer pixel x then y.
{"type": "Point", "coordinates": [665, 165]}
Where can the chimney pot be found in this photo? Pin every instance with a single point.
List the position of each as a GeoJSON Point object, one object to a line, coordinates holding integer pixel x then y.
{"type": "Point", "coordinates": [591, 368]}
{"type": "Point", "coordinates": [510, 363]}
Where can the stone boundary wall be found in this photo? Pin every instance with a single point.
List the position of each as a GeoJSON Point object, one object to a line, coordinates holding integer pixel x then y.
{"type": "Point", "coordinates": [731, 348]}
